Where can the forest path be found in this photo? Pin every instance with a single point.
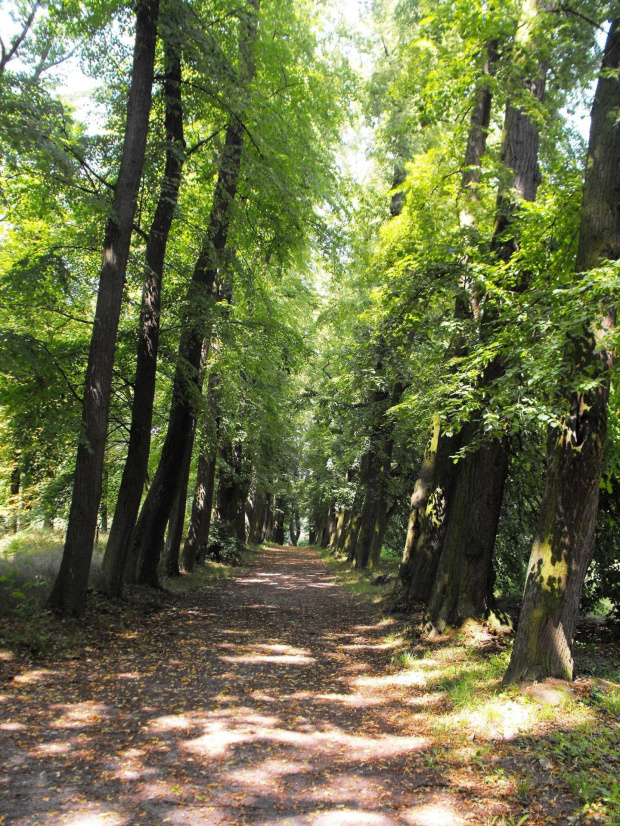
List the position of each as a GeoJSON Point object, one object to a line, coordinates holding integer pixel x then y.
{"type": "Point", "coordinates": [266, 699]}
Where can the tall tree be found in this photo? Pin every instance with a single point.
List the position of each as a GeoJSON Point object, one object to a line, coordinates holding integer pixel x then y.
{"type": "Point", "coordinates": [151, 525]}
{"type": "Point", "coordinates": [69, 592]}
{"type": "Point", "coordinates": [564, 541]}
{"type": "Point", "coordinates": [136, 462]}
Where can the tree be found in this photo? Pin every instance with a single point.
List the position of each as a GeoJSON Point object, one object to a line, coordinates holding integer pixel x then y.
{"type": "Point", "coordinates": [69, 592]}
{"type": "Point", "coordinates": [564, 542]}
{"type": "Point", "coordinates": [136, 462]}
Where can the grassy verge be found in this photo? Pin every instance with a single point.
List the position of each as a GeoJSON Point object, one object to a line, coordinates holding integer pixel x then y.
{"type": "Point", "coordinates": [363, 583]}
{"type": "Point", "coordinates": [551, 749]}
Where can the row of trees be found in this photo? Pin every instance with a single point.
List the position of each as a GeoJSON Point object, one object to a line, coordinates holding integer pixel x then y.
{"type": "Point", "coordinates": [210, 184]}
{"type": "Point", "coordinates": [268, 341]}
{"type": "Point", "coordinates": [487, 317]}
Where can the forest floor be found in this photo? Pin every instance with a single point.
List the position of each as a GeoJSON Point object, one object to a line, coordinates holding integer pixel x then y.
{"type": "Point", "coordinates": [278, 697]}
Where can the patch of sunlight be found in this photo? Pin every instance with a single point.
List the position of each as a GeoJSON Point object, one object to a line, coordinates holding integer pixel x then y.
{"type": "Point", "coordinates": [220, 735]}
{"type": "Point", "coordinates": [377, 646]}
{"type": "Point", "coordinates": [129, 675]}
{"type": "Point", "coordinates": [283, 659]}
{"type": "Point", "coordinates": [35, 676]}
{"type": "Point", "coordinates": [98, 819]}
{"type": "Point", "coordinates": [78, 715]}
{"type": "Point", "coordinates": [500, 718]}
{"type": "Point", "coordinates": [171, 722]}
{"type": "Point", "coordinates": [402, 678]}
{"type": "Point", "coordinates": [12, 726]}
{"type": "Point", "coordinates": [342, 788]}
{"type": "Point", "coordinates": [266, 773]}
{"type": "Point", "coordinates": [53, 749]}
{"type": "Point", "coordinates": [351, 817]}
{"type": "Point", "coordinates": [6, 656]}
{"type": "Point", "coordinates": [433, 814]}
{"type": "Point", "coordinates": [352, 700]}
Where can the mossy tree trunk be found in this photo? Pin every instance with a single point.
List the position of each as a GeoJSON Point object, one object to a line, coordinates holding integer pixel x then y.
{"type": "Point", "coordinates": [564, 541]}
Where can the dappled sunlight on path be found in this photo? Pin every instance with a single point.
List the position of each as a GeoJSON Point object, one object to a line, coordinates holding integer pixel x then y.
{"type": "Point", "coordinates": [267, 699]}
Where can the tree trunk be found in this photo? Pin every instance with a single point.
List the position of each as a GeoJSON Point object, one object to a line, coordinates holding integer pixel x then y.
{"type": "Point", "coordinates": [350, 541]}
{"type": "Point", "coordinates": [427, 519]}
{"type": "Point", "coordinates": [136, 463]}
{"type": "Point", "coordinates": [103, 508]}
{"type": "Point", "coordinates": [198, 533]}
{"type": "Point", "coordinates": [155, 512]}
{"type": "Point", "coordinates": [16, 476]}
{"type": "Point", "coordinates": [564, 541]}
{"type": "Point", "coordinates": [376, 477]}
{"type": "Point", "coordinates": [432, 493]}
{"type": "Point", "coordinates": [259, 512]}
{"type": "Point", "coordinates": [368, 514]}
{"type": "Point", "coordinates": [382, 507]}
{"type": "Point", "coordinates": [338, 531]}
{"type": "Point", "coordinates": [172, 546]}
{"type": "Point", "coordinates": [463, 585]}
{"type": "Point", "coordinates": [200, 521]}
{"type": "Point", "coordinates": [294, 526]}
{"type": "Point", "coordinates": [69, 592]}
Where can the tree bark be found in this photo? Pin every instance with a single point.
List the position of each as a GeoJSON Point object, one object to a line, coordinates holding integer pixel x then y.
{"type": "Point", "coordinates": [427, 518]}
{"type": "Point", "coordinates": [564, 541]}
{"type": "Point", "coordinates": [103, 508]}
{"type": "Point", "coordinates": [257, 525]}
{"type": "Point", "coordinates": [294, 526]}
{"type": "Point", "coordinates": [16, 477]}
{"type": "Point", "coordinates": [69, 592]}
{"type": "Point", "coordinates": [136, 463]}
{"type": "Point", "coordinates": [174, 537]}
{"type": "Point", "coordinates": [200, 521]}
{"type": "Point", "coordinates": [156, 508]}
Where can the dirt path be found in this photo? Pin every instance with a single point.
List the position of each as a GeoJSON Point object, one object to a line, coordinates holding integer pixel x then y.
{"type": "Point", "coordinates": [263, 700]}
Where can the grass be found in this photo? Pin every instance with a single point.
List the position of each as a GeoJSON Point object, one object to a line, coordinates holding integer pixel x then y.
{"type": "Point", "coordinates": [562, 745]}
{"type": "Point", "coordinates": [361, 581]}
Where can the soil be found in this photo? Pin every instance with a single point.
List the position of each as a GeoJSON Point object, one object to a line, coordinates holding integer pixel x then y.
{"type": "Point", "coordinates": [260, 700]}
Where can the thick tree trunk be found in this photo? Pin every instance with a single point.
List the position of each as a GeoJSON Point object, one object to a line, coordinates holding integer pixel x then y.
{"type": "Point", "coordinates": [564, 542]}
{"type": "Point", "coordinates": [69, 592]}
{"type": "Point", "coordinates": [382, 507]}
{"type": "Point", "coordinates": [174, 537]}
{"type": "Point", "coordinates": [463, 585]}
{"type": "Point", "coordinates": [350, 541]}
{"type": "Point", "coordinates": [233, 487]}
{"type": "Point", "coordinates": [376, 477]}
{"type": "Point", "coordinates": [294, 526]}
{"type": "Point", "coordinates": [338, 531]}
{"type": "Point", "coordinates": [257, 524]}
{"type": "Point", "coordinates": [432, 494]}
{"type": "Point", "coordinates": [427, 519]}
{"type": "Point", "coordinates": [344, 530]}
{"type": "Point", "coordinates": [136, 463]}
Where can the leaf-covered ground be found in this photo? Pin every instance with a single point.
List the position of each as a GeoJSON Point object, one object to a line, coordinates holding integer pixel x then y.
{"type": "Point", "coordinates": [278, 698]}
